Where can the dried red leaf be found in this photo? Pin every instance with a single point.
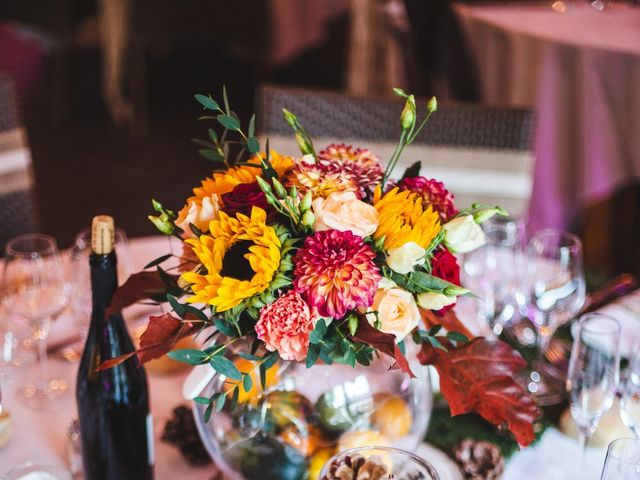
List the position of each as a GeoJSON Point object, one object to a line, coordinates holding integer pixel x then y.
{"type": "Point", "coordinates": [160, 337]}
{"type": "Point", "coordinates": [478, 377]}
{"type": "Point", "coordinates": [447, 319]}
{"type": "Point", "coordinates": [383, 342]}
{"type": "Point", "coordinates": [139, 286]}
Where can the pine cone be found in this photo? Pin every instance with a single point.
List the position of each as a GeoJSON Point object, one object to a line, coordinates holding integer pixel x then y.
{"type": "Point", "coordinates": [181, 431]}
{"type": "Point", "coordinates": [356, 467]}
{"type": "Point", "coordinates": [479, 460]}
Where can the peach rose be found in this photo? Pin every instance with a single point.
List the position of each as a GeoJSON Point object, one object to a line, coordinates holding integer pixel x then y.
{"type": "Point", "coordinates": [397, 312]}
{"type": "Point", "coordinates": [343, 211]}
{"type": "Point", "coordinates": [199, 212]}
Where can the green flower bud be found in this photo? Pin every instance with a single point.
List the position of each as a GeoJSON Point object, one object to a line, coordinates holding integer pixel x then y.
{"type": "Point", "coordinates": [290, 118]}
{"type": "Point", "coordinates": [408, 117]}
{"type": "Point", "coordinates": [163, 223]}
{"type": "Point", "coordinates": [485, 214]}
{"type": "Point", "coordinates": [264, 186]}
{"type": "Point", "coordinates": [399, 92]}
{"type": "Point", "coordinates": [454, 291]}
{"type": "Point", "coordinates": [280, 190]}
{"type": "Point", "coordinates": [432, 105]}
{"type": "Point", "coordinates": [308, 219]}
{"type": "Point", "coordinates": [157, 206]}
{"type": "Point", "coordinates": [305, 204]}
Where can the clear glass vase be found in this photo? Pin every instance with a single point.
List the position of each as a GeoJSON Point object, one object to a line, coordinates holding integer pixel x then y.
{"type": "Point", "coordinates": [307, 415]}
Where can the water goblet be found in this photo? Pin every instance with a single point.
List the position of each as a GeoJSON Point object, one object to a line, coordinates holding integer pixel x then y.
{"type": "Point", "coordinates": [623, 460]}
{"type": "Point", "coordinates": [594, 371]}
{"type": "Point", "coordinates": [35, 287]}
{"type": "Point", "coordinates": [552, 293]}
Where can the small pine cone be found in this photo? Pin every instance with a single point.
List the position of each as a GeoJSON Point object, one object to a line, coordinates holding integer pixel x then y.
{"type": "Point", "coordinates": [479, 460]}
{"type": "Point", "coordinates": [356, 467]}
{"type": "Point", "coordinates": [181, 431]}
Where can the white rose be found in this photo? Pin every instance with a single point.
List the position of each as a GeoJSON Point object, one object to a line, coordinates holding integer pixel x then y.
{"type": "Point", "coordinates": [435, 301]}
{"type": "Point", "coordinates": [343, 211]}
{"type": "Point", "coordinates": [397, 312]}
{"type": "Point", "coordinates": [199, 212]}
{"type": "Point", "coordinates": [463, 234]}
{"type": "Point", "coordinates": [404, 258]}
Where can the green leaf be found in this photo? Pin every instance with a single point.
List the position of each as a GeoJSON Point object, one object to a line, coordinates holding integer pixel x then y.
{"type": "Point", "coordinates": [203, 143]}
{"type": "Point", "coordinates": [202, 400]}
{"type": "Point", "coordinates": [412, 171]}
{"type": "Point", "coordinates": [208, 412]}
{"type": "Point", "coordinates": [433, 331]}
{"type": "Point", "coordinates": [221, 398]}
{"type": "Point", "coordinates": [197, 312]}
{"type": "Point", "coordinates": [213, 135]}
{"type": "Point", "coordinates": [225, 327]}
{"type": "Point", "coordinates": [252, 126]}
{"type": "Point", "coordinates": [253, 145]}
{"type": "Point", "coordinates": [207, 102]}
{"type": "Point", "coordinates": [319, 332]}
{"type": "Point", "coordinates": [225, 367]}
{"type": "Point", "coordinates": [188, 355]}
{"type": "Point", "coordinates": [225, 99]}
{"type": "Point", "coordinates": [247, 382]}
{"type": "Point", "coordinates": [401, 347]}
{"type": "Point", "coordinates": [312, 355]}
{"type": "Point", "coordinates": [353, 324]}
{"type": "Point", "coordinates": [435, 343]}
{"type": "Point", "coordinates": [228, 122]}
{"type": "Point", "coordinates": [263, 377]}
{"type": "Point", "coordinates": [210, 154]}
{"type": "Point", "coordinates": [158, 261]}
{"type": "Point", "coordinates": [250, 357]}
{"type": "Point", "coordinates": [271, 360]}
{"type": "Point", "coordinates": [457, 337]}
{"type": "Point", "coordinates": [177, 306]}
{"type": "Point", "coordinates": [234, 397]}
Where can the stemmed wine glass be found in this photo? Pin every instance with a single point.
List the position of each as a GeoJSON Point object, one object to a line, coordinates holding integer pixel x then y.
{"type": "Point", "coordinates": [594, 372]}
{"type": "Point", "coordinates": [492, 270]}
{"type": "Point", "coordinates": [552, 293]}
{"type": "Point", "coordinates": [630, 403]}
{"type": "Point", "coordinates": [623, 460]}
{"type": "Point", "coordinates": [34, 286]}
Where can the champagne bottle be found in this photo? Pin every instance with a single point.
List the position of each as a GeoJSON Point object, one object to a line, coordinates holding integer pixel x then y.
{"type": "Point", "coordinates": [113, 405]}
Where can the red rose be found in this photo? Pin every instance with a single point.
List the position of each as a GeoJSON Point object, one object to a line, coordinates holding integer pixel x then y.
{"type": "Point", "coordinates": [243, 197]}
{"type": "Point", "coordinates": [445, 266]}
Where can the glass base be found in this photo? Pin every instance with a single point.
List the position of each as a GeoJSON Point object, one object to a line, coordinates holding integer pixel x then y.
{"type": "Point", "coordinates": [44, 395]}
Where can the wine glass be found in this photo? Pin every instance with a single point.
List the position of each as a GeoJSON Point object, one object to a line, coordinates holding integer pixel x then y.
{"type": "Point", "coordinates": [36, 470]}
{"type": "Point", "coordinates": [623, 460]}
{"type": "Point", "coordinates": [630, 402]}
{"type": "Point", "coordinates": [35, 287]}
{"type": "Point", "coordinates": [594, 371]}
{"type": "Point", "coordinates": [79, 274]}
{"type": "Point", "coordinates": [492, 270]}
{"type": "Point", "coordinates": [552, 293]}
{"type": "Point", "coordinates": [400, 464]}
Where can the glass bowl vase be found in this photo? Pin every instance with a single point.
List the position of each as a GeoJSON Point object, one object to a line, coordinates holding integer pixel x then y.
{"type": "Point", "coordinates": [307, 415]}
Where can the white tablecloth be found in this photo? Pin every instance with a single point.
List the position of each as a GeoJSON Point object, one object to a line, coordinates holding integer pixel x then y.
{"type": "Point", "coordinates": [41, 435]}
{"type": "Point", "coordinates": [580, 70]}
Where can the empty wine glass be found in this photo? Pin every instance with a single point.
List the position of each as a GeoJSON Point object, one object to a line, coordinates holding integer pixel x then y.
{"type": "Point", "coordinates": [35, 287]}
{"type": "Point", "coordinates": [594, 371]}
{"type": "Point", "coordinates": [492, 271]}
{"type": "Point", "coordinates": [630, 403]}
{"type": "Point", "coordinates": [400, 464]}
{"type": "Point", "coordinates": [552, 293]}
{"type": "Point", "coordinates": [623, 460]}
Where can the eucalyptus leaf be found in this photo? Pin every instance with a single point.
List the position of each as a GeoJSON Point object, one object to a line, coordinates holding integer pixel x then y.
{"type": "Point", "coordinates": [225, 367]}
{"type": "Point", "coordinates": [247, 382]}
{"type": "Point", "coordinates": [158, 260]}
{"type": "Point", "coordinates": [188, 355]}
{"type": "Point", "coordinates": [253, 145]}
{"type": "Point", "coordinates": [211, 154]}
{"type": "Point", "coordinates": [229, 122]}
{"type": "Point", "coordinates": [207, 102]}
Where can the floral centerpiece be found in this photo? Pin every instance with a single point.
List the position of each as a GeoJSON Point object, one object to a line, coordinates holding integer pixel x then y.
{"type": "Point", "coordinates": [323, 258]}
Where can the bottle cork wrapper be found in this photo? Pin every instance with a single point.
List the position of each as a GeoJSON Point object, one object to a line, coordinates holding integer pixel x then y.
{"type": "Point", "coordinates": [102, 234]}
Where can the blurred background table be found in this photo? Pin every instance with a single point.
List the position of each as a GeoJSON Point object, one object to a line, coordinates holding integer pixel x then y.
{"type": "Point", "coordinates": [581, 71]}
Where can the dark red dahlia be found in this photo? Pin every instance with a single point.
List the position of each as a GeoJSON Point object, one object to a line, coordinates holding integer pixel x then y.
{"type": "Point", "coordinates": [433, 193]}
{"type": "Point", "coordinates": [245, 196]}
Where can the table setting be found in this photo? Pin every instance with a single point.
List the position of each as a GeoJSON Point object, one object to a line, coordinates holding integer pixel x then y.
{"type": "Point", "coordinates": [319, 316]}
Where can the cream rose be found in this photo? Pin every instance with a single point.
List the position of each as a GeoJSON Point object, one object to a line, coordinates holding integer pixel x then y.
{"type": "Point", "coordinates": [463, 234]}
{"type": "Point", "coordinates": [397, 312]}
{"type": "Point", "coordinates": [404, 258]}
{"type": "Point", "coordinates": [435, 301]}
{"type": "Point", "coordinates": [199, 212]}
{"type": "Point", "coordinates": [343, 211]}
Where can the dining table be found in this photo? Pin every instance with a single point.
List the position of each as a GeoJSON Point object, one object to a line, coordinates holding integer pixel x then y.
{"type": "Point", "coordinates": [41, 436]}
{"type": "Point", "coordinates": [579, 69]}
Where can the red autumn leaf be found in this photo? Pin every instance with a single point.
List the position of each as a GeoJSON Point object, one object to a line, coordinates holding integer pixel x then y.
{"type": "Point", "coordinates": [383, 342]}
{"type": "Point", "coordinates": [139, 286]}
{"type": "Point", "coordinates": [478, 377]}
{"type": "Point", "coordinates": [161, 335]}
{"type": "Point", "coordinates": [448, 320]}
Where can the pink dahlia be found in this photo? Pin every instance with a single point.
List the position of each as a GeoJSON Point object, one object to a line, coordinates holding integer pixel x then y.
{"type": "Point", "coordinates": [433, 193]}
{"type": "Point", "coordinates": [285, 325]}
{"type": "Point", "coordinates": [335, 272]}
{"type": "Point", "coordinates": [321, 179]}
{"type": "Point", "coordinates": [362, 164]}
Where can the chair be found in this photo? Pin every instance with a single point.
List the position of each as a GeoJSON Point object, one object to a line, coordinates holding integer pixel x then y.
{"type": "Point", "coordinates": [482, 154]}
{"type": "Point", "coordinates": [17, 203]}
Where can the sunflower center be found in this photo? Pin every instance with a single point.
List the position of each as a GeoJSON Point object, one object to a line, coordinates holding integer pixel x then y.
{"type": "Point", "coordinates": [235, 264]}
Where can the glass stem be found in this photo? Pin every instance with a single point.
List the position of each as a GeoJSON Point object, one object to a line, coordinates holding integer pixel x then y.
{"type": "Point", "coordinates": [582, 445]}
{"type": "Point", "coordinates": [544, 336]}
{"type": "Point", "coordinates": [41, 334]}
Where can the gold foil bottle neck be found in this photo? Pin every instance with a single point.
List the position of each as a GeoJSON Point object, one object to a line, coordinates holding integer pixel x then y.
{"type": "Point", "coordinates": [102, 234]}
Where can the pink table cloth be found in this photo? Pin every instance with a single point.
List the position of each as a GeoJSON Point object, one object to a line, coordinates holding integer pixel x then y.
{"type": "Point", "coordinates": [580, 70]}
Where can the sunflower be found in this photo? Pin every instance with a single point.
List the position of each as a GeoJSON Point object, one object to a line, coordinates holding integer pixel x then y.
{"type": "Point", "coordinates": [225, 182]}
{"type": "Point", "coordinates": [241, 257]}
{"type": "Point", "coordinates": [403, 218]}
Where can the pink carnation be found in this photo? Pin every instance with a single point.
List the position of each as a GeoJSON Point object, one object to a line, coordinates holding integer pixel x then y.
{"type": "Point", "coordinates": [285, 325]}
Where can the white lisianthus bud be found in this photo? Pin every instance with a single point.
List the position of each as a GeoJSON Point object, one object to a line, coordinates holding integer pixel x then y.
{"type": "Point", "coordinates": [386, 283]}
{"type": "Point", "coordinates": [308, 158]}
{"type": "Point", "coordinates": [404, 258]}
{"type": "Point", "coordinates": [483, 215]}
{"type": "Point", "coordinates": [463, 234]}
{"type": "Point", "coordinates": [435, 301]}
